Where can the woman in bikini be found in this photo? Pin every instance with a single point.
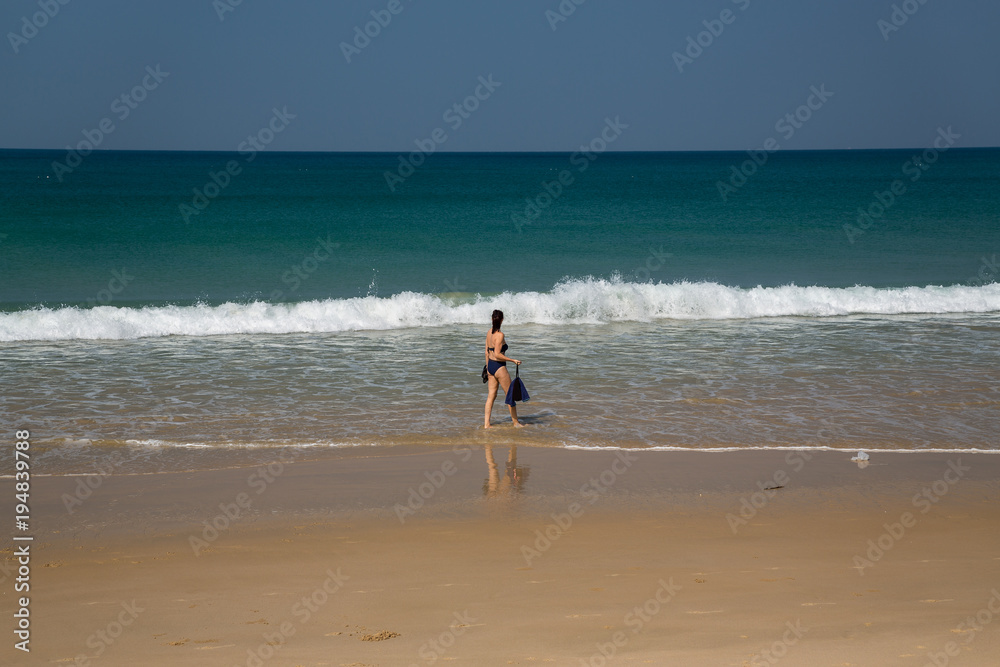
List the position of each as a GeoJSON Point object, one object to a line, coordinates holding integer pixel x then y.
{"type": "Point", "coordinates": [496, 362]}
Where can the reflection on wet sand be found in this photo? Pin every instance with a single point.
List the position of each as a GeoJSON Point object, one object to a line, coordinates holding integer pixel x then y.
{"type": "Point", "coordinates": [513, 479]}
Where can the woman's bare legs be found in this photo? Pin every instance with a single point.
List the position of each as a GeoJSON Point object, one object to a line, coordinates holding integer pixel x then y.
{"type": "Point", "coordinates": [490, 397]}
{"type": "Point", "coordinates": [504, 377]}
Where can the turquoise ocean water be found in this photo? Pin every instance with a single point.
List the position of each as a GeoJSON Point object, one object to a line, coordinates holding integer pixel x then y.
{"type": "Point", "coordinates": [158, 306]}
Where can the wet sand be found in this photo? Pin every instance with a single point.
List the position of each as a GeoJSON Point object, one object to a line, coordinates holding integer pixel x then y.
{"type": "Point", "coordinates": [557, 557]}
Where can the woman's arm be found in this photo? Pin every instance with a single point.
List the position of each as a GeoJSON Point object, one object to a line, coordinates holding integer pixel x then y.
{"type": "Point", "coordinates": [500, 355]}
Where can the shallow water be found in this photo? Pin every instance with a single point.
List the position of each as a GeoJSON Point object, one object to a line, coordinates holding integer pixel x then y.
{"type": "Point", "coordinates": [901, 382]}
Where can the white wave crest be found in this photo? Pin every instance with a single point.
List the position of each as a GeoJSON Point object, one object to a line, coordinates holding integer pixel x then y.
{"type": "Point", "coordinates": [569, 302]}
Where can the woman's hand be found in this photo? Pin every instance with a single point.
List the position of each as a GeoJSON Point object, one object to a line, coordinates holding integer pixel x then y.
{"type": "Point", "coordinates": [516, 361]}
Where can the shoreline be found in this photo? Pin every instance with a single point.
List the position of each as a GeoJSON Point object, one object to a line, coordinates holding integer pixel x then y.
{"type": "Point", "coordinates": [130, 460]}
{"type": "Point", "coordinates": [542, 557]}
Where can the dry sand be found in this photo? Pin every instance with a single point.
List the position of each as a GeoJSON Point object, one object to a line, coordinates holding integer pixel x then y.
{"type": "Point", "coordinates": [549, 560]}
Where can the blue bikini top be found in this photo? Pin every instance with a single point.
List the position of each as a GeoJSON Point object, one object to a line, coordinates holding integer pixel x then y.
{"type": "Point", "coordinates": [503, 349]}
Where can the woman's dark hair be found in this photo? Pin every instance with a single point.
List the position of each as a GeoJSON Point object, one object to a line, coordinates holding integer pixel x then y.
{"type": "Point", "coordinates": [497, 320]}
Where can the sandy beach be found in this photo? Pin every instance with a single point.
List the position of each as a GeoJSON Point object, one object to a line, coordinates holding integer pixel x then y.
{"type": "Point", "coordinates": [270, 271]}
{"type": "Point", "coordinates": [410, 557]}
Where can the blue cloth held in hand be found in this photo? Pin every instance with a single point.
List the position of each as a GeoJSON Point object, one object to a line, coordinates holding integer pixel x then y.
{"type": "Point", "coordinates": [517, 391]}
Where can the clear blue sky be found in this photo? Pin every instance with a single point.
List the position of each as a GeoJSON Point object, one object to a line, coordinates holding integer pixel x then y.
{"type": "Point", "coordinates": [607, 59]}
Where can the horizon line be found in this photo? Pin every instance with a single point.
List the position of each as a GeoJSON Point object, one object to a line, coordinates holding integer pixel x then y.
{"type": "Point", "coordinates": [496, 152]}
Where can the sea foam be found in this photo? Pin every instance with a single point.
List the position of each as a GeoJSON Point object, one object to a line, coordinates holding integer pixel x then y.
{"type": "Point", "coordinates": [577, 301]}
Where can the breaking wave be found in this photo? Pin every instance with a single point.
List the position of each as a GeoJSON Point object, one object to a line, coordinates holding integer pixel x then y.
{"type": "Point", "coordinates": [575, 301]}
